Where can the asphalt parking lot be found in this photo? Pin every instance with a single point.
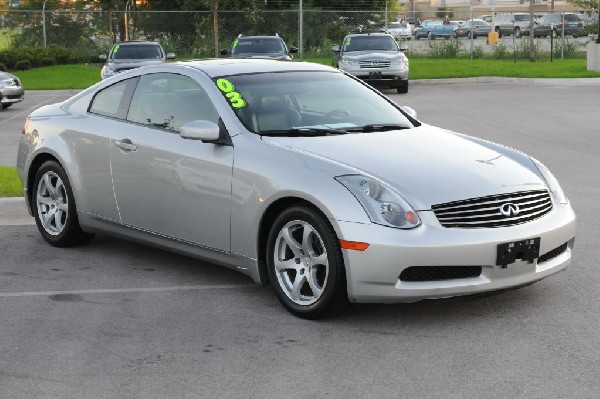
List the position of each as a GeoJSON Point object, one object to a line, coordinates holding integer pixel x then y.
{"type": "Point", "coordinates": [115, 319]}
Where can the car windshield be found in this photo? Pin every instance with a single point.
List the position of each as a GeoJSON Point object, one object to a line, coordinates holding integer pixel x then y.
{"type": "Point", "coordinates": [258, 46]}
{"type": "Point", "coordinates": [308, 104]}
{"type": "Point", "coordinates": [571, 17]}
{"type": "Point", "coordinates": [136, 52]}
{"type": "Point", "coordinates": [523, 17]}
{"type": "Point", "coordinates": [362, 43]}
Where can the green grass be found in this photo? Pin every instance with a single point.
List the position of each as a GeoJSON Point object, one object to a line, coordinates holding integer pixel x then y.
{"type": "Point", "coordinates": [427, 68]}
{"type": "Point", "coordinates": [10, 185]}
{"type": "Point", "coordinates": [60, 77]}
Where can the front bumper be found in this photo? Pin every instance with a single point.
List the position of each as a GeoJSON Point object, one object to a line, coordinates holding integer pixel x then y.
{"type": "Point", "coordinates": [392, 77]}
{"type": "Point", "coordinates": [12, 95]}
{"type": "Point", "coordinates": [374, 275]}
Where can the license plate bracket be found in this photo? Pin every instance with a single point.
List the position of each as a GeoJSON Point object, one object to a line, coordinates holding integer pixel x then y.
{"type": "Point", "coordinates": [375, 75]}
{"type": "Point", "coordinates": [509, 252]}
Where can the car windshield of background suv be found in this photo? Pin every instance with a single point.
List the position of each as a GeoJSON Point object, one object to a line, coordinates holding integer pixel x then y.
{"type": "Point", "coordinates": [258, 46]}
{"type": "Point", "coordinates": [141, 52]}
{"type": "Point", "coordinates": [359, 43]}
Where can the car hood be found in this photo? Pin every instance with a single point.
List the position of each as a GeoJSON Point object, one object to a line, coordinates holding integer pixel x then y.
{"type": "Point", "coordinates": [427, 165]}
{"type": "Point", "coordinates": [371, 54]}
{"type": "Point", "coordinates": [130, 64]}
{"type": "Point", "coordinates": [269, 56]}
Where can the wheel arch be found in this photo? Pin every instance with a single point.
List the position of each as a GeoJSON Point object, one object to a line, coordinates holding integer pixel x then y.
{"type": "Point", "coordinates": [34, 166]}
{"type": "Point", "coordinates": [267, 219]}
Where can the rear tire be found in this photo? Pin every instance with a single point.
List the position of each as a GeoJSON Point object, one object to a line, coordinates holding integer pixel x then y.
{"type": "Point", "coordinates": [431, 36]}
{"type": "Point", "coordinates": [305, 264]}
{"type": "Point", "coordinates": [499, 32]}
{"type": "Point", "coordinates": [517, 32]}
{"type": "Point", "coordinates": [54, 207]}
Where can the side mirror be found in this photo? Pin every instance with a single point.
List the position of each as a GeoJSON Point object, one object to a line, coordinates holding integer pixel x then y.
{"type": "Point", "coordinates": [293, 49]}
{"type": "Point", "coordinates": [404, 47]}
{"type": "Point", "coordinates": [103, 57]}
{"type": "Point", "coordinates": [411, 112]}
{"type": "Point", "coordinates": [205, 131]}
{"type": "Point", "coordinates": [170, 56]}
{"type": "Point", "coordinates": [336, 49]}
{"type": "Point", "coordinates": [224, 51]}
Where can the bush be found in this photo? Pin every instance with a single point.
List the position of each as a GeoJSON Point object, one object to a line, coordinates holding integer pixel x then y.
{"type": "Point", "coordinates": [444, 48]}
{"type": "Point", "coordinates": [569, 49]}
{"type": "Point", "coordinates": [48, 61]}
{"type": "Point", "coordinates": [477, 52]}
{"type": "Point", "coordinates": [23, 65]}
{"type": "Point", "coordinates": [2, 67]}
{"type": "Point", "coordinates": [500, 52]}
{"type": "Point", "coordinates": [61, 55]}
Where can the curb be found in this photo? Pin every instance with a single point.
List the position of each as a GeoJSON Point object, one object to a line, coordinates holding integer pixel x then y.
{"type": "Point", "coordinates": [14, 212]}
{"type": "Point", "coordinates": [516, 81]}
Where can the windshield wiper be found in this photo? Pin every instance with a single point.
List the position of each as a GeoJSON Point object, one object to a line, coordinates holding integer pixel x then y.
{"type": "Point", "coordinates": [378, 127]}
{"type": "Point", "coordinates": [302, 132]}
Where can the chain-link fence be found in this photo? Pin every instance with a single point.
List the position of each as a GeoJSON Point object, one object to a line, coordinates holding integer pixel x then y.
{"type": "Point", "coordinates": [203, 34]}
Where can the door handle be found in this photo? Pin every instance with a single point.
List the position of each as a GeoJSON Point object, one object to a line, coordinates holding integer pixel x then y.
{"type": "Point", "coordinates": [125, 145]}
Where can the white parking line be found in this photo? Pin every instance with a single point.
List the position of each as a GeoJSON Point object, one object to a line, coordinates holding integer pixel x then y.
{"type": "Point", "coordinates": [129, 290]}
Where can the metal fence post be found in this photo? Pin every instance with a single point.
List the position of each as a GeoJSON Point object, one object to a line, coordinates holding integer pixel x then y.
{"type": "Point", "coordinates": [300, 30]}
{"type": "Point", "coordinates": [44, 22]}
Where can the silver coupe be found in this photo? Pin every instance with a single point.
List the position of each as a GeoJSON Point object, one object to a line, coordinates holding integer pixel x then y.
{"type": "Point", "coordinates": [298, 175]}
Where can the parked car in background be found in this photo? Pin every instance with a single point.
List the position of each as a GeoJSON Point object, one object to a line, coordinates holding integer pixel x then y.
{"type": "Point", "coordinates": [264, 46]}
{"type": "Point", "coordinates": [486, 18]}
{"type": "Point", "coordinates": [11, 90]}
{"type": "Point", "coordinates": [134, 54]}
{"type": "Point", "coordinates": [399, 30]}
{"type": "Point", "coordinates": [475, 27]}
{"type": "Point", "coordinates": [297, 175]}
{"type": "Point", "coordinates": [517, 24]}
{"type": "Point", "coordinates": [432, 28]}
{"type": "Point", "coordinates": [375, 58]}
{"type": "Point", "coordinates": [555, 24]}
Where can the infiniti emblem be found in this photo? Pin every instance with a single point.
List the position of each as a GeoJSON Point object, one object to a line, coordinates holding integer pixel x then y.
{"type": "Point", "coordinates": [509, 209]}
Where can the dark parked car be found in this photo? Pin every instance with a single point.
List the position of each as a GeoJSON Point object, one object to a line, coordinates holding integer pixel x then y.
{"type": "Point", "coordinates": [129, 55]}
{"type": "Point", "coordinates": [11, 90]}
{"type": "Point", "coordinates": [517, 24]}
{"type": "Point", "coordinates": [272, 47]}
{"type": "Point", "coordinates": [475, 27]}
{"type": "Point", "coordinates": [554, 24]}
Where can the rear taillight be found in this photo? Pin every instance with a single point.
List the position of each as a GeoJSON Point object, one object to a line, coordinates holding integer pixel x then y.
{"type": "Point", "coordinates": [26, 125]}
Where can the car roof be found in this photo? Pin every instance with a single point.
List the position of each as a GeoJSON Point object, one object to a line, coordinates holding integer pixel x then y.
{"type": "Point", "coordinates": [227, 66]}
{"type": "Point", "coordinates": [138, 42]}
{"type": "Point", "coordinates": [368, 34]}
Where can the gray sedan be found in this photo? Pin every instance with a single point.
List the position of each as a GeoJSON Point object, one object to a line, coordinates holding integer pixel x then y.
{"type": "Point", "coordinates": [11, 90]}
{"type": "Point", "coordinates": [295, 174]}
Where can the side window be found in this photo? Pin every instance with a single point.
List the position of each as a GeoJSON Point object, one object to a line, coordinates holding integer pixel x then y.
{"type": "Point", "coordinates": [167, 101]}
{"type": "Point", "coordinates": [114, 100]}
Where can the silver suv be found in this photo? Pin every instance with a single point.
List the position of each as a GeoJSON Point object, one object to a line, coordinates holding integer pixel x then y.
{"type": "Point", "coordinates": [517, 24]}
{"type": "Point", "coordinates": [375, 58]}
{"type": "Point", "coordinates": [128, 55]}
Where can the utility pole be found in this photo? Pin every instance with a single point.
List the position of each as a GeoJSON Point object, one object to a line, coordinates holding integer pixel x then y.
{"type": "Point", "coordinates": [531, 32]}
{"type": "Point", "coordinates": [44, 22]}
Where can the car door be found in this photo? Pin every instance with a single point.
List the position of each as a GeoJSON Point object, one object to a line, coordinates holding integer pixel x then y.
{"type": "Point", "coordinates": [166, 184]}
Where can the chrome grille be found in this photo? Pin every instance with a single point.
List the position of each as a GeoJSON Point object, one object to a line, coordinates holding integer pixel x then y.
{"type": "Point", "coordinates": [486, 211]}
{"type": "Point", "coordinates": [374, 64]}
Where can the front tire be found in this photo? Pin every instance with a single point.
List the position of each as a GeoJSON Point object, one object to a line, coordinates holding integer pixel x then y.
{"type": "Point", "coordinates": [54, 207]}
{"type": "Point", "coordinates": [403, 89]}
{"type": "Point", "coordinates": [305, 264]}
{"type": "Point", "coordinates": [431, 36]}
{"type": "Point", "coordinates": [517, 32]}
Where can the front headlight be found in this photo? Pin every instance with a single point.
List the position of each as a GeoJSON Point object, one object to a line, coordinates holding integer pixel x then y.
{"type": "Point", "coordinates": [106, 71]}
{"type": "Point", "coordinates": [402, 61]}
{"type": "Point", "coordinates": [551, 182]}
{"type": "Point", "coordinates": [383, 205]}
{"type": "Point", "coordinates": [346, 62]}
{"type": "Point", "coordinates": [7, 83]}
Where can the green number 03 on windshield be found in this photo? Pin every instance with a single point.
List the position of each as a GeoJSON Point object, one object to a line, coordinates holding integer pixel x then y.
{"type": "Point", "coordinates": [235, 98]}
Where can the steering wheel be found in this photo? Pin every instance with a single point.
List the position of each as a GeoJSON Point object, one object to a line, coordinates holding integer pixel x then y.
{"type": "Point", "coordinates": [335, 114]}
